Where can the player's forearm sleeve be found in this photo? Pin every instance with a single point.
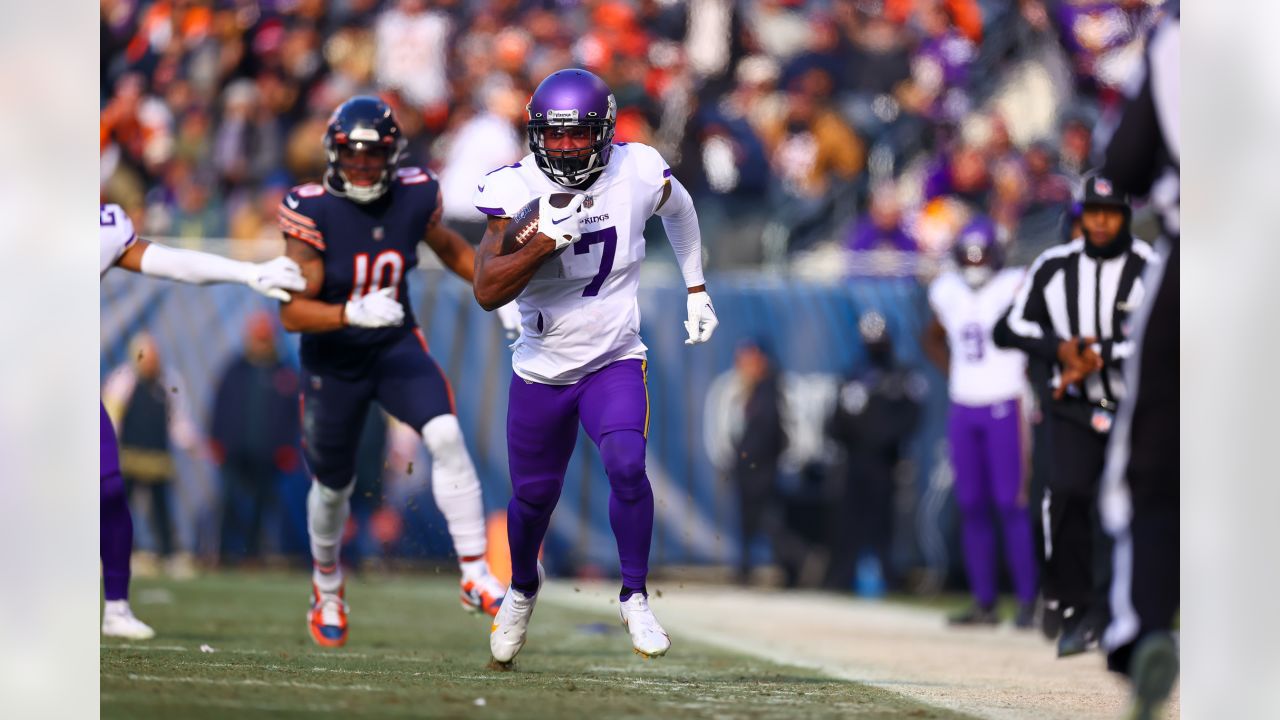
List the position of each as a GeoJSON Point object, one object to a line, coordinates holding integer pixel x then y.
{"type": "Point", "coordinates": [681, 223]}
{"type": "Point", "coordinates": [191, 266]}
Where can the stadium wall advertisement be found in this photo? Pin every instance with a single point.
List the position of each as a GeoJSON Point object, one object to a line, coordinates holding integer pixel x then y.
{"type": "Point", "coordinates": [694, 401]}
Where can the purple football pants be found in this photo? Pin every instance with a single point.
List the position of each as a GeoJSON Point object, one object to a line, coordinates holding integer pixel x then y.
{"type": "Point", "coordinates": [115, 540]}
{"type": "Point", "coordinates": [986, 453]}
{"type": "Point", "coordinates": [542, 428]}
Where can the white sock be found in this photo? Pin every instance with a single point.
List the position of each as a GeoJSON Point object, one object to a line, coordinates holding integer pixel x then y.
{"type": "Point", "coordinates": [327, 511]}
{"type": "Point", "coordinates": [455, 485]}
{"type": "Point", "coordinates": [117, 607]}
{"type": "Point", "coordinates": [473, 568]}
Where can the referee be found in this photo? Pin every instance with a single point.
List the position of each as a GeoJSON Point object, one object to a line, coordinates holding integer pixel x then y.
{"type": "Point", "coordinates": [1073, 311]}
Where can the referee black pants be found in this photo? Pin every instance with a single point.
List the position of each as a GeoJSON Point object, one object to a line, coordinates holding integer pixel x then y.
{"type": "Point", "coordinates": [1077, 554]}
{"type": "Point", "coordinates": [1145, 594]}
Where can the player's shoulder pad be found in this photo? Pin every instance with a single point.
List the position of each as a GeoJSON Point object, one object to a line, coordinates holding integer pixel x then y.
{"type": "Point", "coordinates": [299, 214]}
{"type": "Point", "coordinates": [646, 162]}
{"type": "Point", "coordinates": [941, 288]}
{"type": "Point", "coordinates": [115, 227]}
{"type": "Point", "coordinates": [414, 175]}
{"type": "Point", "coordinates": [502, 191]}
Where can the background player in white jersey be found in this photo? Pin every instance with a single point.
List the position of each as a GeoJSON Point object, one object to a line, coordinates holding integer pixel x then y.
{"type": "Point", "coordinates": [579, 357]}
{"type": "Point", "coordinates": [984, 429]}
{"type": "Point", "coordinates": [121, 247]}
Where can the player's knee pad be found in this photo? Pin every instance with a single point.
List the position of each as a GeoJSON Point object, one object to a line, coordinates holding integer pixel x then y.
{"type": "Point", "coordinates": [112, 487]}
{"type": "Point", "coordinates": [331, 469]}
{"type": "Point", "coordinates": [623, 455]}
{"type": "Point", "coordinates": [328, 496]}
{"type": "Point", "coordinates": [537, 494]}
{"type": "Point", "coordinates": [443, 437]}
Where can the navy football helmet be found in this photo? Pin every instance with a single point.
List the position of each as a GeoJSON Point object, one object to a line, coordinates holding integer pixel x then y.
{"type": "Point", "coordinates": [363, 144]}
{"type": "Point", "coordinates": [572, 101]}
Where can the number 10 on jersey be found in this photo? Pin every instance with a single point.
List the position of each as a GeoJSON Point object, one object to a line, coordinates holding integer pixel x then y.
{"type": "Point", "coordinates": [365, 281]}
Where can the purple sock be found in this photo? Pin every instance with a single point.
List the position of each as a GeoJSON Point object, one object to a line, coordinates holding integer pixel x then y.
{"type": "Point", "coordinates": [115, 541]}
{"type": "Point", "coordinates": [630, 502]}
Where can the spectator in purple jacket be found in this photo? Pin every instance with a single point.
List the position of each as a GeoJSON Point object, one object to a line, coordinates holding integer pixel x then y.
{"type": "Point", "coordinates": [881, 227]}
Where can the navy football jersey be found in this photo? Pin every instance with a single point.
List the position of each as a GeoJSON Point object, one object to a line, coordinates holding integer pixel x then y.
{"type": "Point", "coordinates": [366, 247]}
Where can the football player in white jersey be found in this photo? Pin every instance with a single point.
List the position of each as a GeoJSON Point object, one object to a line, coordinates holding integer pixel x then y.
{"type": "Point", "coordinates": [121, 247]}
{"type": "Point", "coordinates": [984, 429]}
{"type": "Point", "coordinates": [579, 357]}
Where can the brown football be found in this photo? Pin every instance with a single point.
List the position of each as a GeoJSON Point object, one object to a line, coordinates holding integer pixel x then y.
{"type": "Point", "coordinates": [524, 224]}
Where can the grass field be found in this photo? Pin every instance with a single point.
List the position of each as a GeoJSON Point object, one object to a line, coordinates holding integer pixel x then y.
{"type": "Point", "coordinates": [414, 652]}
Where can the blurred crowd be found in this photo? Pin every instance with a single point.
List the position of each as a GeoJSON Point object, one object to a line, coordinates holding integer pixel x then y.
{"type": "Point", "coordinates": [872, 126]}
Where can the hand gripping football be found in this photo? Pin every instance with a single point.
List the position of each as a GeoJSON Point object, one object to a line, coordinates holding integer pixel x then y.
{"type": "Point", "coordinates": [555, 215]}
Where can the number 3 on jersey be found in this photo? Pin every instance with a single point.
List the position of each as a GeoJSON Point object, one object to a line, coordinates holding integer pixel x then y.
{"type": "Point", "coordinates": [364, 281]}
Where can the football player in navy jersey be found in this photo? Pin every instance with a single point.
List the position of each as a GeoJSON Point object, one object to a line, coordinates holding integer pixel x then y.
{"type": "Point", "coordinates": [354, 237]}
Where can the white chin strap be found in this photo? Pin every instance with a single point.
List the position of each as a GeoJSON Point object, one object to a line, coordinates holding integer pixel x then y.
{"type": "Point", "coordinates": [352, 191]}
{"type": "Point", "coordinates": [362, 194]}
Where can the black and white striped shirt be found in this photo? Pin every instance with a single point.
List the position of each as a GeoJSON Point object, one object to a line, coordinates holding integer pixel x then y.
{"type": "Point", "coordinates": [1069, 294]}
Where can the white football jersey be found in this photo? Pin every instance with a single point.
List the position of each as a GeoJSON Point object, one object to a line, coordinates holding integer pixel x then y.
{"type": "Point", "coordinates": [579, 313]}
{"type": "Point", "coordinates": [981, 373]}
{"type": "Point", "coordinates": [116, 234]}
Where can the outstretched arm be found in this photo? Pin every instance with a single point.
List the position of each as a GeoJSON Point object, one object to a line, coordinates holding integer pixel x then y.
{"type": "Point", "coordinates": [270, 278]}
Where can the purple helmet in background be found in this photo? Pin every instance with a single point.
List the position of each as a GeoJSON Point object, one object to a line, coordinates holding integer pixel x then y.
{"type": "Point", "coordinates": [572, 98]}
{"type": "Point", "coordinates": [977, 251]}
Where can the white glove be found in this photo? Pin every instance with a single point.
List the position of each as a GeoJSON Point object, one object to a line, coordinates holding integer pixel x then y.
{"type": "Point", "coordinates": [509, 315]}
{"type": "Point", "coordinates": [273, 277]}
{"type": "Point", "coordinates": [702, 320]}
{"type": "Point", "coordinates": [374, 310]}
{"type": "Point", "coordinates": [561, 224]}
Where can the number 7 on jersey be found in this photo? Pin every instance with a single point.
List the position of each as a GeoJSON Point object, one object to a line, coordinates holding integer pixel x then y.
{"type": "Point", "coordinates": [608, 236]}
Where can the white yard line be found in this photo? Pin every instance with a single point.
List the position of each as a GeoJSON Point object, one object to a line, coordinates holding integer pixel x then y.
{"type": "Point", "coordinates": [242, 682]}
{"type": "Point", "coordinates": [999, 674]}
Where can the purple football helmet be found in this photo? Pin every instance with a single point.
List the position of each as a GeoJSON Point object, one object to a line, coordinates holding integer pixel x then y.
{"type": "Point", "coordinates": [977, 251]}
{"type": "Point", "coordinates": [572, 98]}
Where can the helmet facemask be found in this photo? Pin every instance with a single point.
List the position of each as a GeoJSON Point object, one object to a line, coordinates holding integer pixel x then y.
{"type": "Point", "coordinates": [572, 166]}
{"type": "Point", "coordinates": [362, 165]}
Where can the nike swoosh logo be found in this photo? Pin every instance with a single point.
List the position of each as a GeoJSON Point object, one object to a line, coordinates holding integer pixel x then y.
{"type": "Point", "coordinates": [480, 188]}
{"type": "Point", "coordinates": [557, 222]}
{"type": "Point", "coordinates": [291, 201]}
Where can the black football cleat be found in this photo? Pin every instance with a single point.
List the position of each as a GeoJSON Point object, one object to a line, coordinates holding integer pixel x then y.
{"type": "Point", "coordinates": [974, 616]}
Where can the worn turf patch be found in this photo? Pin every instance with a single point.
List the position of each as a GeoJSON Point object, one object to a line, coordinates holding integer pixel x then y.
{"type": "Point", "coordinates": [236, 645]}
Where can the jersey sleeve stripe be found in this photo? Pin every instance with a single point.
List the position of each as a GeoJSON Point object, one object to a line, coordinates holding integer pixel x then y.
{"type": "Point", "coordinates": [307, 235]}
{"type": "Point", "coordinates": [297, 217]}
{"type": "Point", "coordinates": [308, 229]}
{"type": "Point", "coordinates": [313, 242]}
{"type": "Point", "coordinates": [666, 173]}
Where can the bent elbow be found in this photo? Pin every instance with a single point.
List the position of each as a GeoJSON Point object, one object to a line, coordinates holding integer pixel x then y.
{"type": "Point", "coordinates": [486, 299]}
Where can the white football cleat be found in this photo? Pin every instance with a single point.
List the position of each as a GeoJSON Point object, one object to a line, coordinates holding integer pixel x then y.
{"type": "Point", "coordinates": [647, 636]}
{"type": "Point", "coordinates": [482, 592]}
{"type": "Point", "coordinates": [118, 621]}
{"type": "Point", "coordinates": [507, 634]}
